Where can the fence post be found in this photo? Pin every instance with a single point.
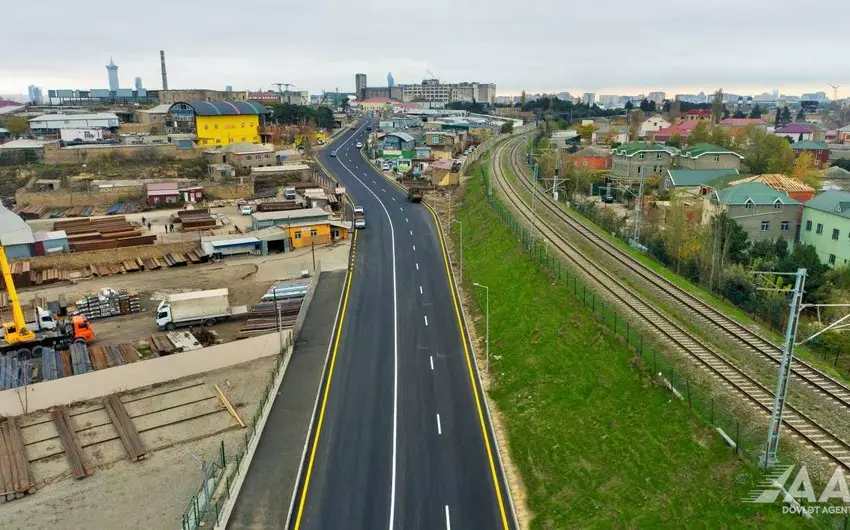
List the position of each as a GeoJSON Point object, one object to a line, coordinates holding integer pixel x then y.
{"type": "Point", "coordinates": [688, 388]}
{"type": "Point", "coordinates": [737, 436]}
{"type": "Point", "coordinates": [712, 410]}
{"type": "Point", "coordinates": [641, 345]}
{"type": "Point", "coordinates": [654, 364]}
{"type": "Point", "coordinates": [223, 462]}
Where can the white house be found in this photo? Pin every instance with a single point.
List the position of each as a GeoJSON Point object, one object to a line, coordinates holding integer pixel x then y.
{"type": "Point", "coordinates": [56, 122]}
{"type": "Point", "coordinates": [796, 132]}
{"type": "Point", "coordinates": [653, 124]}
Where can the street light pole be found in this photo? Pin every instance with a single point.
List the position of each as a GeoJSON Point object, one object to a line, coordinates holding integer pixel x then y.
{"type": "Point", "coordinates": [460, 224]}
{"type": "Point", "coordinates": [487, 325]}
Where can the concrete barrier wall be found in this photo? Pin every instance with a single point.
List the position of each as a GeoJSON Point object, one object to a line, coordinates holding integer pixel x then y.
{"type": "Point", "coordinates": [101, 383]}
{"type": "Point", "coordinates": [65, 198]}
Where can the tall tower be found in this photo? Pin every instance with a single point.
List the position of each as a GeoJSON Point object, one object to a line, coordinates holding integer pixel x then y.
{"type": "Point", "coordinates": [359, 85]}
{"type": "Point", "coordinates": [112, 72]}
{"type": "Point", "coordinates": [162, 63]}
{"type": "Point", "coordinates": [138, 83]}
{"type": "Point", "coordinates": [390, 83]}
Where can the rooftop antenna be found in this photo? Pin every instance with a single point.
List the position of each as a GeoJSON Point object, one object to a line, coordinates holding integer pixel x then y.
{"type": "Point", "coordinates": [288, 95]}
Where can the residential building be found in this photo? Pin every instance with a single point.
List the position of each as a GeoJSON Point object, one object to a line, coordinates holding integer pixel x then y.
{"type": "Point", "coordinates": [433, 90]}
{"type": "Point", "coordinates": [592, 158]}
{"type": "Point", "coordinates": [635, 160]}
{"type": "Point", "coordinates": [359, 85]}
{"type": "Point", "coordinates": [709, 156]}
{"type": "Point", "coordinates": [243, 155]}
{"type": "Point", "coordinates": [216, 123]}
{"type": "Point", "coordinates": [793, 187]}
{"type": "Point", "coordinates": [138, 84]}
{"type": "Point", "coordinates": [843, 134]}
{"type": "Point", "coordinates": [112, 74]}
{"type": "Point", "coordinates": [36, 96]}
{"type": "Point", "coordinates": [615, 134]}
{"type": "Point", "coordinates": [796, 132]}
{"type": "Point", "coordinates": [834, 178]}
{"type": "Point", "coordinates": [657, 97]}
{"type": "Point", "coordinates": [589, 99]}
{"type": "Point", "coordinates": [609, 101]}
{"type": "Point", "coordinates": [652, 124]}
{"type": "Point", "coordinates": [826, 226]}
{"type": "Point", "coordinates": [442, 144]}
{"type": "Point", "coordinates": [742, 123]}
{"type": "Point", "coordinates": [697, 115]}
{"type": "Point", "coordinates": [763, 212]}
{"type": "Point", "coordinates": [818, 150]}
{"type": "Point", "coordinates": [385, 105]}
{"type": "Point", "coordinates": [696, 181]}
{"type": "Point", "coordinates": [683, 130]}
{"type": "Point", "coordinates": [152, 115]}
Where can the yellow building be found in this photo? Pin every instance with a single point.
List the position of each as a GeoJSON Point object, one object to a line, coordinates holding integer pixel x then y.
{"type": "Point", "coordinates": [216, 123]}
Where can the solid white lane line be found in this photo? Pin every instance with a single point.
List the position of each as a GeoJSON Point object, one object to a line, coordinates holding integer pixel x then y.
{"type": "Point", "coordinates": [448, 519]}
{"type": "Point", "coordinates": [432, 362]}
{"type": "Point", "coordinates": [395, 348]}
{"type": "Point", "coordinates": [393, 199]}
{"type": "Point", "coordinates": [426, 320]}
{"type": "Point", "coordinates": [417, 266]}
{"type": "Point", "coordinates": [439, 427]}
{"type": "Point", "coordinates": [400, 208]}
{"type": "Point", "coordinates": [420, 289]}
{"type": "Point", "coordinates": [383, 189]}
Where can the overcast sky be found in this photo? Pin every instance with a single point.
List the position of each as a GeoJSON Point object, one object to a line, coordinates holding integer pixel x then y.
{"type": "Point", "coordinates": [615, 46]}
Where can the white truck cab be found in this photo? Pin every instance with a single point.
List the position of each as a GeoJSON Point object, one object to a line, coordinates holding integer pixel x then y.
{"type": "Point", "coordinates": [359, 217]}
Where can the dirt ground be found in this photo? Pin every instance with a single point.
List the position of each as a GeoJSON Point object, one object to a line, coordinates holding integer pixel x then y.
{"type": "Point", "coordinates": [247, 278]}
{"type": "Point", "coordinates": [179, 422]}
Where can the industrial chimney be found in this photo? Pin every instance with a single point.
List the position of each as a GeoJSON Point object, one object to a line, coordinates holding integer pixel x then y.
{"type": "Point", "coordinates": [164, 75]}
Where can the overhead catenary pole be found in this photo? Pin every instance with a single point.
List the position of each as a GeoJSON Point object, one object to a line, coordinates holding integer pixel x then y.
{"type": "Point", "coordinates": [486, 325]}
{"type": "Point", "coordinates": [769, 458]}
{"type": "Point", "coordinates": [460, 224]}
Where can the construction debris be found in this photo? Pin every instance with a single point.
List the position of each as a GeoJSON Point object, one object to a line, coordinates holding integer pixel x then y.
{"type": "Point", "coordinates": [15, 476]}
{"type": "Point", "coordinates": [80, 361]}
{"type": "Point", "coordinates": [14, 372]}
{"type": "Point", "coordinates": [108, 303]}
{"type": "Point", "coordinates": [103, 357]}
{"type": "Point", "coordinates": [230, 409]}
{"type": "Point", "coordinates": [174, 342]}
{"type": "Point", "coordinates": [125, 428]}
{"type": "Point", "coordinates": [263, 317]}
{"type": "Point", "coordinates": [80, 466]}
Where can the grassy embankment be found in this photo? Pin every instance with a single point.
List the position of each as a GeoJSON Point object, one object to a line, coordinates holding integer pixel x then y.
{"type": "Point", "coordinates": [596, 442]}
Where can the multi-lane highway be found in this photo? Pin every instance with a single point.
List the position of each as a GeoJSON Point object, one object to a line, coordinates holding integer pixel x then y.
{"type": "Point", "coordinates": [401, 439]}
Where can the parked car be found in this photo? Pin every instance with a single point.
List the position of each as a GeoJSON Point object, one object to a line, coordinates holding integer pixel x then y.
{"type": "Point", "coordinates": [385, 166]}
{"type": "Point", "coordinates": [608, 199]}
{"type": "Point", "coordinates": [246, 209]}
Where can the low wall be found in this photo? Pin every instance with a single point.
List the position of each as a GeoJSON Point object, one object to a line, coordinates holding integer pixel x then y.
{"type": "Point", "coordinates": [53, 154]}
{"type": "Point", "coordinates": [224, 191]}
{"type": "Point", "coordinates": [84, 387]}
{"type": "Point", "coordinates": [68, 199]}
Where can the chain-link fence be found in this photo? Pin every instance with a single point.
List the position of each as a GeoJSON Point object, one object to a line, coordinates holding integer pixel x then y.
{"type": "Point", "coordinates": [745, 438]}
{"type": "Point", "coordinates": [204, 508]}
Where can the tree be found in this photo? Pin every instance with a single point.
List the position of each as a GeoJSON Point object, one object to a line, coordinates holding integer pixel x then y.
{"type": "Point", "coordinates": [586, 131]}
{"type": "Point", "coordinates": [522, 99]}
{"type": "Point", "coordinates": [720, 137]}
{"type": "Point", "coordinates": [644, 105]}
{"type": "Point", "coordinates": [717, 106]}
{"type": "Point", "coordinates": [755, 113]}
{"type": "Point", "coordinates": [801, 116]}
{"type": "Point", "coordinates": [682, 233]}
{"type": "Point", "coordinates": [676, 109]}
{"type": "Point", "coordinates": [725, 112]}
{"type": "Point", "coordinates": [675, 140]}
{"type": "Point", "coordinates": [778, 119]}
{"type": "Point", "coordinates": [729, 245]}
{"type": "Point", "coordinates": [629, 106]}
{"type": "Point", "coordinates": [738, 114]}
{"type": "Point", "coordinates": [786, 116]}
{"type": "Point", "coordinates": [807, 170]}
{"type": "Point", "coordinates": [507, 127]}
{"type": "Point", "coordinates": [666, 106]}
{"type": "Point", "coordinates": [652, 106]}
{"type": "Point", "coordinates": [700, 134]}
{"type": "Point", "coordinates": [767, 153]}
{"type": "Point", "coordinates": [17, 125]}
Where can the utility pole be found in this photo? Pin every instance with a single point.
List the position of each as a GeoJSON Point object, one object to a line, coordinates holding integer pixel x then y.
{"type": "Point", "coordinates": [487, 325]}
{"type": "Point", "coordinates": [460, 224]}
{"type": "Point", "coordinates": [639, 209]}
{"type": "Point", "coordinates": [769, 459]}
{"type": "Point", "coordinates": [313, 251]}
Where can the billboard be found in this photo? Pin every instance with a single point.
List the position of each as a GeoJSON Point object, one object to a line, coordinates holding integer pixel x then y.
{"type": "Point", "coordinates": [81, 135]}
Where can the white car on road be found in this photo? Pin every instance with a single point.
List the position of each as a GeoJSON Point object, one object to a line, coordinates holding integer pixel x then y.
{"type": "Point", "coordinates": [358, 145]}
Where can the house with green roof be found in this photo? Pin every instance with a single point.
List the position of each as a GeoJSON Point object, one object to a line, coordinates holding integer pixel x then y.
{"type": "Point", "coordinates": [709, 156]}
{"type": "Point", "coordinates": [763, 212]}
{"type": "Point", "coordinates": [635, 160]}
{"type": "Point", "coordinates": [696, 181]}
{"type": "Point", "coordinates": [826, 226]}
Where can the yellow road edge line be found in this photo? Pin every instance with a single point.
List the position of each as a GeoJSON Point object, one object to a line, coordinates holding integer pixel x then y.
{"type": "Point", "coordinates": [306, 485]}
{"type": "Point", "coordinates": [471, 374]}
{"type": "Point", "coordinates": [381, 172]}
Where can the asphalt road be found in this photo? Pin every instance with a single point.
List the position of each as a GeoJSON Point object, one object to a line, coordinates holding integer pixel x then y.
{"type": "Point", "coordinates": [401, 435]}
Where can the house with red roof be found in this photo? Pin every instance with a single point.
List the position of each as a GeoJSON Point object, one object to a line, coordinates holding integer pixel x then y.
{"type": "Point", "coordinates": [796, 132]}
{"type": "Point", "coordinates": [697, 115]}
{"type": "Point", "coordinates": [741, 123]}
{"type": "Point", "coordinates": [683, 129]}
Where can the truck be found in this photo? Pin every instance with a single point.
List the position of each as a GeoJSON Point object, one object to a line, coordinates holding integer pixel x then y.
{"type": "Point", "coordinates": [289, 193]}
{"type": "Point", "coordinates": [196, 308]}
{"type": "Point", "coordinates": [21, 337]}
{"type": "Point", "coordinates": [415, 194]}
{"type": "Point", "coordinates": [359, 217]}
{"type": "Point", "coordinates": [353, 125]}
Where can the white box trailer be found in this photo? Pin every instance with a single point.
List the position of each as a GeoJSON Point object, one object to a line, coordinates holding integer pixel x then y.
{"type": "Point", "coordinates": [195, 308]}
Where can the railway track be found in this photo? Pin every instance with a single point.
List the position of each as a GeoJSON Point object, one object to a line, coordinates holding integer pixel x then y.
{"type": "Point", "coordinates": [830, 446]}
{"type": "Point", "coordinates": [709, 317]}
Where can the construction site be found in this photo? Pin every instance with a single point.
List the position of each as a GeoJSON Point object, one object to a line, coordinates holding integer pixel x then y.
{"type": "Point", "coordinates": [137, 346]}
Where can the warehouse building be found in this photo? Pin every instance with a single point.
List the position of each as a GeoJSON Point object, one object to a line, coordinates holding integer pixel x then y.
{"type": "Point", "coordinates": [260, 220]}
{"type": "Point", "coordinates": [15, 235]}
{"type": "Point", "coordinates": [216, 123]}
{"type": "Point", "coordinates": [53, 123]}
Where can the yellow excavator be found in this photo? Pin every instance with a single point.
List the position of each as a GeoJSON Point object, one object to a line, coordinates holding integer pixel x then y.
{"type": "Point", "coordinates": [17, 335]}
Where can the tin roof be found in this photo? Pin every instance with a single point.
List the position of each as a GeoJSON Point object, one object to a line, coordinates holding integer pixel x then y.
{"type": "Point", "coordinates": [834, 202]}
{"type": "Point", "coordinates": [777, 182]}
{"type": "Point", "coordinates": [754, 192]}
{"type": "Point", "coordinates": [224, 108]}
